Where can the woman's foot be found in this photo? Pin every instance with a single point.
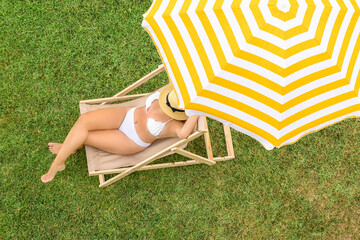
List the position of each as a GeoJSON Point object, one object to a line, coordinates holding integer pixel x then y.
{"type": "Point", "coordinates": [54, 148]}
{"type": "Point", "coordinates": [49, 176]}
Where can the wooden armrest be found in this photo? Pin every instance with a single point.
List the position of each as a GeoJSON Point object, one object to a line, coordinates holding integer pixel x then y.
{"type": "Point", "coordinates": [144, 79]}
{"type": "Point", "coordinates": [121, 95]}
{"type": "Point", "coordinates": [113, 99]}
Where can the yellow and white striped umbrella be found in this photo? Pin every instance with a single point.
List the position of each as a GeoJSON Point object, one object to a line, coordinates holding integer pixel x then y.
{"type": "Point", "coordinates": [272, 69]}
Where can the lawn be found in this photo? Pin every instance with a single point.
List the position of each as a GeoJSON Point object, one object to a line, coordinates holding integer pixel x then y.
{"type": "Point", "coordinates": [54, 54]}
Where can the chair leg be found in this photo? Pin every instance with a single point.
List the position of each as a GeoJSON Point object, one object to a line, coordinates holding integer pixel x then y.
{"type": "Point", "coordinates": [101, 178]}
{"type": "Point", "coordinates": [193, 156]}
{"type": "Point", "coordinates": [208, 142]}
{"type": "Point", "coordinates": [229, 142]}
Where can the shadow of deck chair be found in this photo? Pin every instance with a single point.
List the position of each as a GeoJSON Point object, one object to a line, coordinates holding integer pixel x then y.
{"type": "Point", "coordinates": [103, 163]}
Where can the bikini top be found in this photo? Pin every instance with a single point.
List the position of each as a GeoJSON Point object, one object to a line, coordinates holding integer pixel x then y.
{"type": "Point", "coordinates": [155, 127]}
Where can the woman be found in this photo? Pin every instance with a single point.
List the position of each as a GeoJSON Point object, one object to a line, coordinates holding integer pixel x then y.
{"type": "Point", "coordinates": [124, 130]}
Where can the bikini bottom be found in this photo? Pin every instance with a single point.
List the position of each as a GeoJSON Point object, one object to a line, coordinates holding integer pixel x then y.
{"type": "Point", "coordinates": [128, 128]}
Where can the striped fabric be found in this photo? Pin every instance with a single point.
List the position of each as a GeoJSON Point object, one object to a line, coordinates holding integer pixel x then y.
{"type": "Point", "coordinates": [272, 69]}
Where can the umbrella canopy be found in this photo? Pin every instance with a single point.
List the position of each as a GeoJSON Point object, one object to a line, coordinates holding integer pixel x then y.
{"type": "Point", "coordinates": [272, 69]}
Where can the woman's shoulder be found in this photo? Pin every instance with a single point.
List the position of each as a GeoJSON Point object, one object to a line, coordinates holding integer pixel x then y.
{"type": "Point", "coordinates": [152, 97]}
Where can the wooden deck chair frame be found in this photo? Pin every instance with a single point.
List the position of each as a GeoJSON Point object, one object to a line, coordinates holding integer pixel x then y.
{"type": "Point", "coordinates": [202, 130]}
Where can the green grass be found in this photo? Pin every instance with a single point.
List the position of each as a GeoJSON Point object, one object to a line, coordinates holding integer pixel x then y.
{"type": "Point", "coordinates": [55, 53]}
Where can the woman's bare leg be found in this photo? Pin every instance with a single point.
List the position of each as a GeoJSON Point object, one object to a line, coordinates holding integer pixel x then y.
{"type": "Point", "coordinates": [103, 119]}
{"type": "Point", "coordinates": [112, 141]}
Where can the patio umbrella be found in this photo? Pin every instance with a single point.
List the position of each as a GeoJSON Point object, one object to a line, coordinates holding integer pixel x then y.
{"type": "Point", "coordinates": [272, 69]}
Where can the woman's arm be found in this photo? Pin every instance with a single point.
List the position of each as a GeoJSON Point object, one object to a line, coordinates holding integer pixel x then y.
{"type": "Point", "coordinates": [188, 127]}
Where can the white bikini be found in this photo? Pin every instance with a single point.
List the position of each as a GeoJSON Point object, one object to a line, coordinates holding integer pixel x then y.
{"type": "Point", "coordinates": [155, 127]}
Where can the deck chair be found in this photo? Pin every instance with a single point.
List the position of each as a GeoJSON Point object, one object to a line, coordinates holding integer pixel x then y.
{"type": "Point", "coordinates": [102, 163]}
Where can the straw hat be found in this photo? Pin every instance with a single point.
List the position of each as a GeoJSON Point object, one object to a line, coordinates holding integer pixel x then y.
{"type": "Point", "coordinates": [168, 103]}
